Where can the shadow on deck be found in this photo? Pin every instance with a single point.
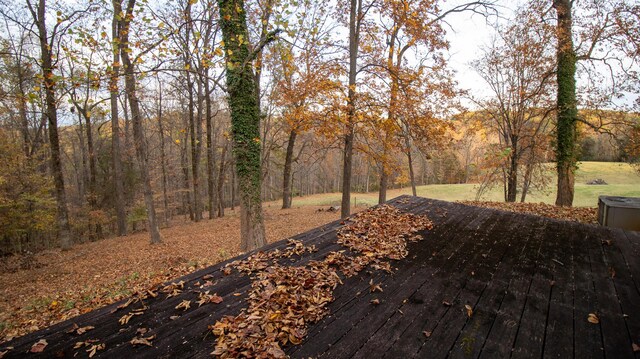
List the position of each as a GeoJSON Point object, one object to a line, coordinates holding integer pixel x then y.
{"type": "Point", "coordinates": [531, 282]}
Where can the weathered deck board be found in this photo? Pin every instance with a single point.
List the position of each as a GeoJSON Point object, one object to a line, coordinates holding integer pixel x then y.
{"type": "Point", "coordinates": [531, 282]}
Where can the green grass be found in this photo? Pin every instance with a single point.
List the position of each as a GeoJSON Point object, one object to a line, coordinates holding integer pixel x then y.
{"type": "Point", "coordinates": [621, 180]}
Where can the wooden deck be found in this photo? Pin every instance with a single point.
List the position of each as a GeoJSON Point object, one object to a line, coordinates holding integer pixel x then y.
{"type": "Point", "coordinates": [531, 283]}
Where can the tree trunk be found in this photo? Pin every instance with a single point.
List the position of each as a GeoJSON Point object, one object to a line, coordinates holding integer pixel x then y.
{"type": "Point", "coordinates": [221, 182]}
{"type": "Point", "coordinates": [384, 183]}
{"type": "Point", "coordinates": [566, 104]}
{"type": "Point", "coordinates": [116, 163]}
{"type": "Point", "coordinates": [136, 120]}
{"type": "Point", "coordinates": [526, 180]}
{"type": "Point", "coordinates": [22, 110]}
{"type": "Point", "coordinates": [211, 175]}
{"type": "Point", "coordinates": [51, 112]}
{"type": "Point", "coordinates": [286, 182]}
{"type": "Point", "coordinates": [354, 40]}
{"type": "Point", "coordinates": [412, 175]}
{"type": "Point", "coordinates": [163, 157]}
{"type": "Point", "coordinates": [245, 121]}
{"type": "Point", "coordinates": [512, 172]}
{"type": "Point", "coordinates": [82, 181]}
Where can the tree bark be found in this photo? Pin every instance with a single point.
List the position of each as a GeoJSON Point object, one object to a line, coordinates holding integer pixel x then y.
{"type": "Point", "coordinates": [245, 121]}
{"type": "Point", "coordinates": [211, 175]}
{"type": "Point", "coordinates": [51, 112]}
{"type": "Point", "coordinates": [163, 157]}
{"type": "Point", "coordinates": [512, 172]}
{"type": "Point", "coordinates": [221, 182]}
{"type": "Point", "coordinates": [384, 183]}
{"type": "Point", "coordinates": [136, 119]}
{"type": "Point", "coordinates": [286, 182]}
{"type": "Point", "coordinates": [116, 163]}
{"type": "Point", "coordinates": [566, 105]}
{"type": "Point", "coordinates": [354, 40]}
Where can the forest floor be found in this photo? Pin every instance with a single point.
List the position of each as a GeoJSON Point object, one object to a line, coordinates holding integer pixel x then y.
{"type": "Point", "coordinates": [42, 289]}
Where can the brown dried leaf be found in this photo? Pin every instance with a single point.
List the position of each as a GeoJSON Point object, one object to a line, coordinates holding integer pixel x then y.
{"type": "Point", "coordinates": [94, 348]}
{"type": "Point", "coordinates": [427, 333]}
{"type": "Point", "coordinates": [185, 305]}
{"type": "Point", "coordinates": [375, 301]}
{"type": "Point", "coordinates": [469, 310]}
{"type": "Point", "coordinates": [39, 346]}
{"type": "Point", "coordinates": [446, 304]}
{"type": "Point", "coordinates": [593, 318]}
{"type": "Point", "coordinates": [143, 341]}
{"type": "Point", "coordinates": [125, 318]}
{"type": "Point", "coordinates": [374, 287]}
{"type": "Point", "coordinates": [73, 328]}
{"type": "Point", "coordinates": [635, 347]}
{"type": "Point", "coordinates": [83, 330]}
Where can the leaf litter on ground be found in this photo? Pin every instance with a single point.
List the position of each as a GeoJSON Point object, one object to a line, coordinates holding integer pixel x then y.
{"type": "Point", "coordinates": [91, 275]}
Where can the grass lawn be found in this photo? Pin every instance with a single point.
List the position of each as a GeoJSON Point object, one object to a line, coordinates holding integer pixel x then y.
{"type": "Point", "coordinates": [621, 180]}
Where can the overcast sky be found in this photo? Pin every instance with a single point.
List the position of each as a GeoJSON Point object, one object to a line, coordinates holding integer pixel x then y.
{"type": "Point", "coordinates": [468, 34]}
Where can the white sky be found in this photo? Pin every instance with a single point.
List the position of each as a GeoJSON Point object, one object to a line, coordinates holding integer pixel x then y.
{"type": "Point", "coordinates": [469, 33]}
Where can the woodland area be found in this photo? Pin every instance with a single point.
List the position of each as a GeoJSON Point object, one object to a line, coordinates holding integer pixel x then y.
{"type": "Point", "coordinates": [120, 116]}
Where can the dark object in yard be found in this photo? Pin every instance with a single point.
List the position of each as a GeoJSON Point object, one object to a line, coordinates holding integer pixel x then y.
{"type": "Point", "coordinates": [597, 181]}
{"type": "Point", "coordinates": [536, 287]}
{"type": "Point", "coordinates": [619, 212]}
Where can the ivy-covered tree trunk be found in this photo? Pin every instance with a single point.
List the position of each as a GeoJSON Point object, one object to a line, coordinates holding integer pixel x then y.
{"type": "Point", "coordinates": [245, 121]}
{"type": "Point", "coordinates": [566, 102]}
{"type": "Point", "coordinates": [51, 113]}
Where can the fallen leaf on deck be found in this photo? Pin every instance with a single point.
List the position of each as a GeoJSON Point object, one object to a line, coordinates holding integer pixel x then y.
{"type": "Point", "coordinates": [427, 333]}
{"type": "Point", "coordinates": [83, 330]}
{"type": "Point", "coordinates": [185, 304]}
{"type": "Point", "coordinates": [143, 341]}
{"type": "Point", "coordinates": [375, 301]}
{"type": "Point", "coordinates": [125, 318]}
{"type": "Point", "coordinates": [593, 318]}
{"type": "Point", "coordinates": [374, 287]}
{"type": "Point", "coordinates": [94, 348]}
{"type": "Point", "coordinates": [469, 310]}
{"type": "Point", "coordinates": [39, 346]}
{"type": "Point", "coordinates": [635, 347]}
{"type": "Point", "coordinates": [446, 304]}
{"type": "Point", "coordinates": [3, 353]}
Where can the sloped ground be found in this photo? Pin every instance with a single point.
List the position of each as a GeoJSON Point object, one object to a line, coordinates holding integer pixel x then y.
{"type": "Point", "coordinates": [60, 285]}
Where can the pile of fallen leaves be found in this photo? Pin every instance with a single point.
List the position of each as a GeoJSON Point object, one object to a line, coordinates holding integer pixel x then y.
{"type": "Point", "coordinates": [285, 299]}
{"type": "Point", "coordinates": [587, 215]}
